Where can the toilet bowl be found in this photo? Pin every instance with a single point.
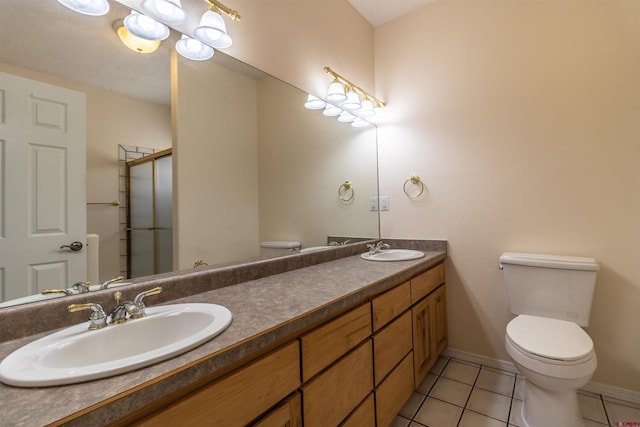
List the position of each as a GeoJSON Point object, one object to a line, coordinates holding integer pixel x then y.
{"type": "Point", "coordinates": [551, 296]}
{"type": "Point", "coordinates": [556, 357]}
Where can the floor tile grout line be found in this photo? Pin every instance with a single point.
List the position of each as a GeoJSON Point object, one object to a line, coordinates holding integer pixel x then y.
{"type": "Point", "coordinates": [469, 397]}
{"type": "Point", "coordinates": [513, 394]}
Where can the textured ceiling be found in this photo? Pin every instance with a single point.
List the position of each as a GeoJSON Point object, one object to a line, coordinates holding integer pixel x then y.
{"type": "Point", "coordinates": [44, 36]}
{"type": "Point", "coordinates": [378, 12]}
{"type": "Point", "coordinates": [47, 37]}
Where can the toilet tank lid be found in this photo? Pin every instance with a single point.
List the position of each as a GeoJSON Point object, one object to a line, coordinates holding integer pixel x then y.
{"type": "Point", "coordinates": [280, 244]}
{"type": "Point", "coordinates": [550, 261]}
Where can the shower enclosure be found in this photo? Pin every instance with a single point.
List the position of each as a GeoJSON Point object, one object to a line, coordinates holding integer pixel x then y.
{"type": "Point", "coordinates": [149, 216]}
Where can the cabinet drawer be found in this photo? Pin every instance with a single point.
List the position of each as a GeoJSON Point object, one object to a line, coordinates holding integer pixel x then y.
{"type": "Point", "coordinates": [288, 414]}
{"type": "Point", "coordinates": [390, 345]}
{"type": "Point", "coordinates": [394, 391]}
{"type": "Point", "coordinates": [238, 398]}
{"type": "Point", "coordinates": [389, 305]}
{"type": "Point", "coordinates": [364, 415]}
{"type": "Point", "coordinates": [329, 342]}
{"type": "Point", "coordinates": [426, 282]}
{"type": "Point", "coordinates": [332, 395]}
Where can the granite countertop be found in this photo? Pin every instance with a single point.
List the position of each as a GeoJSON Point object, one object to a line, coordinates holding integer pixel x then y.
{"type": "Point", "coordinates": [266, 312]}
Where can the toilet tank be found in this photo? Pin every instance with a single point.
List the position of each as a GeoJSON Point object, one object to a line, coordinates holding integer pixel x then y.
{"type": "Point", "coordinates": [273, 248]}
{"type": "Point", "coordinates": [554, 286]}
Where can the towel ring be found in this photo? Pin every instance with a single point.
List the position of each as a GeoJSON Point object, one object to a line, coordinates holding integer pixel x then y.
{"type": "Point", "coordinates": [346, 189]}
{"type": "Point", "coordinates": [415, 180]}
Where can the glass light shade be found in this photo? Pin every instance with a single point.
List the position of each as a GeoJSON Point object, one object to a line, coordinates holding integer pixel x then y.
{"type": "Point", "coordinates": [212, 31]}
{"type": "Point", "coordinates": [135, 43]}
{"type": "Point", "coordinates": [335, 92]}
{"type": "Point", "coordinates": [331, 110]}
{"type": "Point", "coordinates": [367, 108]}
{"type": "Point", "coordinates": [144, 27]}
{"type": "Point", "coordinates": [314, 103]}
{"type": "Point", "coordinates": [346, 117]}
{"type": "Point", "coordinates": [193, 49]}
{"type": "Point", "coordinates": [87, 7]}
{"type": "Point", "coordinates": [352, 102]}
{"type": "Point", "coordinates": [168, 11]}
{"type": "Point", "coordinates": [360, 123]}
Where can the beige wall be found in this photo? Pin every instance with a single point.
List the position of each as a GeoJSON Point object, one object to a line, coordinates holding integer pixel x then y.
{"type": "Point", "coordinates": [293, 40]}
{"type": "Point", "coordinates": [522, 120]}
{"type": "Point", "coordinates": [215, 160]}
{"type": "Point", "coordinates": [304, 157]}
{"type": "Point", "coordinates": [112, 119]}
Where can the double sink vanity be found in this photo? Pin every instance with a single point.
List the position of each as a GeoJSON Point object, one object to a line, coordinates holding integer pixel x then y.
{"type": "Point", "coordinates": [319, 338]}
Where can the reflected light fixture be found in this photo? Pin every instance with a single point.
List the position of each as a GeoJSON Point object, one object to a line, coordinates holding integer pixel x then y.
{"type": "Point", "coordinates": [87, 7]}
{"type": "Point", "coordinates": [144, 27]}
{"type": "Point", "coordinates": [167, 11]}
{"type": "Point", "coordinates": [134, 43]}
{"type": "Point", "coordinates": [346, 117]}
{"type": "Point", "coordinates": [331, 110]}
{"type": "Point", "coordinates": [314, 103]}
{"type": "Point", "coordinates": [193, 49]}
{"type": "Point", "coordinates": [349, 102]}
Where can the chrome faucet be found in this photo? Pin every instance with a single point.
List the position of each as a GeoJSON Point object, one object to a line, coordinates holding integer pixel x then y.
{"type": "Point", "coordinates": [106, 284]}
{"type": "Point", "coordinates": [375, 248]}
{"type": "Point", "coordinates": [76, 288]}
{"type": "Point", "coordinates": [134, 309]}
{"type": "Point", "coordinates": [97, 319]}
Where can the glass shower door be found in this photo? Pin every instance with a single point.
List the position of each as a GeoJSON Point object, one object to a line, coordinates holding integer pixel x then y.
{"type": "Point", "coordinates": [149, 220]}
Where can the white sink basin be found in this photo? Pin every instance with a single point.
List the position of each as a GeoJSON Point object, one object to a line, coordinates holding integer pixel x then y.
{"type": "Point", "coordinates": [393, 255]}
{"type": "Point", "coordinates": [76, 354]}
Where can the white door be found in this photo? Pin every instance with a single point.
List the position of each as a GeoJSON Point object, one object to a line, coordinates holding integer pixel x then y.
{"type": "Point", "coordinates": [42, 186]}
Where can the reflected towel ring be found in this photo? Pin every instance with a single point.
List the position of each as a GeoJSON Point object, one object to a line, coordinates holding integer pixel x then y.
{"type": "Point", "coordinates": [344, 190]}
{"type": "Point", "coordinates": [415, 180]}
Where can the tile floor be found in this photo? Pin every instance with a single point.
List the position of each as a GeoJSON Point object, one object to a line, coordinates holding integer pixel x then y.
{"type": "Point", "coordinates": [457, 393]}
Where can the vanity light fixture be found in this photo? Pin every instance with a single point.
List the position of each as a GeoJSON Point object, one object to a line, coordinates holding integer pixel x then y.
{"type": "Point", "coordinates": [167, 11]}
{"type": "Point", "coordinates": [133, 42]}
{"type": "Point", "coordinates": [349, 102]}
{"type": "Point", "coordinates": [87, 7]}
{"type": "Point", "coordinates": [193, 49]}
{"type": "Point", "coordinates": [147, 28]}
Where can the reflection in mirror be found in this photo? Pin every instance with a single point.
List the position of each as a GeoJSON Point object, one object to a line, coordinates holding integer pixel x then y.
{"type": "Point", "coordinates": [250, 163]}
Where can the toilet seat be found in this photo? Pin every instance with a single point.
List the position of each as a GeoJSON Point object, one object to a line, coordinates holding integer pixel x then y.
{"type": "Point", "coordinates": [550, 340]}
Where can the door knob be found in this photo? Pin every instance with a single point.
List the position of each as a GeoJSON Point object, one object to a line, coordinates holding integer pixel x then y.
{"type": "Point", "coordinates": [74, 246]}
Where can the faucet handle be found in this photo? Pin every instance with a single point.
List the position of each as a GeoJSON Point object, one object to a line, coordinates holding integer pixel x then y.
{"type": "Point", "coordinates": [97, 319]}
{"type": "Point", "coordinates": [139, 303]}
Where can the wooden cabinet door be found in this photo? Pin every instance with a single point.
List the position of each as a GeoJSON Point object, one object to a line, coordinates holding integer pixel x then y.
{"type": "Point", "coordinates": [391, 345]}
{"type": "Point", "coordinates": [394, 391]}
{"type": "Point", "coordinates": [331, 396]}
{"type": "Point", "coordinates": [424, 283]}
{"type": "Point", "coordinates": [288, 414]}
{"type": "Point", "coordinates": [424, 354]}
{"type": "Point", "coordinates": [327, 343]}
{"type": "Point", "coordinates": [237, 398]}
{"type": "Point", "coordinates": [390, 304]}
{"type": "Point", "coordinates": [439, 324]}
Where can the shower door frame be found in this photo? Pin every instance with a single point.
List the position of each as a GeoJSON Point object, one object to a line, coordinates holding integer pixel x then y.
{"type": "Point", "coordinates": [131, 163]}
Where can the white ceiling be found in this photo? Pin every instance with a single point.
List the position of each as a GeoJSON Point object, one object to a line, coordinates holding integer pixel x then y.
{"type": "Point", "coordinates": [378, 12]}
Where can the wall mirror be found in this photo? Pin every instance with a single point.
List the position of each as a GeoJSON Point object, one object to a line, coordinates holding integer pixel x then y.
{"type": "Point", "coordinates": [250, 164]}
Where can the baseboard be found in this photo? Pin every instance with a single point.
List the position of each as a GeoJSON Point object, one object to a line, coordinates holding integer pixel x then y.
{"type": "Point", "coordinates": [592, 387]}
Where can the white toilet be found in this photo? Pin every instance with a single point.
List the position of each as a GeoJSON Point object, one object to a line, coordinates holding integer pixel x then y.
{"type": "Point", "coordinates": [551, 296]}
{"type": "Point", "coordinates": [274, 248]}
